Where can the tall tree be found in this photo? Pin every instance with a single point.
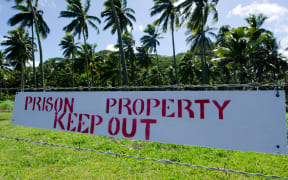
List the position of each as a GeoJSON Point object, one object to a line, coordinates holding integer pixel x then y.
{"type": "Point", "coordinates": [195, 13]}
{"type": "Point", "coordinates": [79, 24]}
{"type": "Point", "coordinates": [151, 41]}
{"type": "Point", "coordinates": [70, 48]}
{"type": "Point", "coordinates": [119, 17]}
{"type": "Point", "coordinates": [29, 16]}
{"type": "Point", "coordinates": [18, 50]}
{"type": "Point", "coordinates": [237, 50]}
{"type": "Point", "coordinates": [169, 17]}
{"type": "Point", "coordinates": [129, 49]}
{"type": "Point", "coordinates": [91, 58]}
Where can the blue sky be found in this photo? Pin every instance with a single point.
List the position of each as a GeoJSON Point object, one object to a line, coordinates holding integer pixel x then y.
{"type": "Point", "coordinates": [231, 12]}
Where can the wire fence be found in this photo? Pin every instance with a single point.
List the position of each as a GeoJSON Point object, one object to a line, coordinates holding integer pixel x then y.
{"type": "Point", "coordinates": [148, 159]}
{"type": "Point", "coordinates": [253, 86]}
{"type": "Point", "coordinates": [167, 87]}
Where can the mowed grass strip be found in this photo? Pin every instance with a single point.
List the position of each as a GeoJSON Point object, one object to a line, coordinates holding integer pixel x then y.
{"type": "Point", "coordinates": [23, 160]}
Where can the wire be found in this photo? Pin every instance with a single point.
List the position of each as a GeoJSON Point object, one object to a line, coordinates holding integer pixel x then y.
{"type": "Point", "coordinates": [148, 159]}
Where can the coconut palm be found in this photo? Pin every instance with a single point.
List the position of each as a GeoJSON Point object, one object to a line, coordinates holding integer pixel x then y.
{"type": "Point", "coordinates": [187, 69]}
{"type": "Point", "coordinates": [129, 49]}
{"type": "Point", "coordinates": [70, 48]}
{"type": "Point", "coordinates": [18, 50]}
{"type": "Point", "coordinates": [91, 58]}
{"type": "Point", "coordinates": [151, 41]}
{"type": "Point", "coordinates": [119, 17]}
{"type": "Point", "coordinates": [3, 69]}
{"type": "Point", "coordinates": [169, 18]}
{"type": "Point", "coordinates": [31, 17]}
{"type": "Point", "coordinates": [237, 50]}
{"type": "Point", "coordinates": [79, 24]}
{"type": "Point", "coordinates": [195, 13]}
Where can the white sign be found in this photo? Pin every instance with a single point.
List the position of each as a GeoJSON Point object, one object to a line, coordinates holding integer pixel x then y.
{"type": "Point", "coordinates": [237, 120]}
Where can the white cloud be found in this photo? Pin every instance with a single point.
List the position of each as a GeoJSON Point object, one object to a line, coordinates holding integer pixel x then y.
{"type": "Point", "coordinates": [30, 63]}
{"type": "Point", "coordinates": [283, 46]}
{"type": "Point", "coordinates": [273, 11]}
{"type": "Point", "coordinates": [47, 3]}
{"type": "Point", "coordinates": [141, 28]}
{"type": "Point", "coordinates": [111, 47]}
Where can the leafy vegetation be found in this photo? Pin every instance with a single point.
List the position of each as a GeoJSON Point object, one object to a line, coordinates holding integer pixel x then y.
{"type": "Point", "coordinates": [246, 54]}
{"type": "Point", "coordinates": [6, 105]}
{"type": "Point", "coordinates": [22, 160]}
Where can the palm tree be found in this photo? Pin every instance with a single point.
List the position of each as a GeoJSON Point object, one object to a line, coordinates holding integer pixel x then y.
{"type": "Point", "coordinates": [221, 35]}
{"type": "Point", "coordinates": [237, 50]}
{"type": "Point", "coordinates": [169, 17]}
{"type": "Point", "coordinates": [151, 41]}
{"type": "Point", "coordinates": [3, 68]}
{"type": "Point", "coordinates": [19, 49]}
{"type": "Point", "coordinates": [70, 48]}
{"type": "Point", "coordinates": [255, 22]}
{"type": "Point", "coordinates": [31, 17]}
{"type": "Point", "coordinates": [79, 24]}
{"type": "Point", "coordinates": [195, 39]}
{"type": "Point", "coordinates": [129, 49]}
{"type": "Point", "coordinates": [109, 73]}
{"type": "Point", "coordinates": [196, 19]}
{"type": "Point", "coordinates": [119, 17]}
{"type": "Point", "coordinates": [91, 57]}
{"type": "Point", "coordinates": [187, 69]}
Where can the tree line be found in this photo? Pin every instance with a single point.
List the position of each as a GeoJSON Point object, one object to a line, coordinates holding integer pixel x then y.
{"type": "Point", "coordinates": [245, 54]}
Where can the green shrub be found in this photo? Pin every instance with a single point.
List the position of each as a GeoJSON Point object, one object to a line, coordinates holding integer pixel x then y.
{"type": "Point", "coordinates": [6, 105]}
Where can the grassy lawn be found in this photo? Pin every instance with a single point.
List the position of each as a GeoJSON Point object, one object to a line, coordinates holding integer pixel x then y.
{"type": "Point", "coordinates": [22, 160]}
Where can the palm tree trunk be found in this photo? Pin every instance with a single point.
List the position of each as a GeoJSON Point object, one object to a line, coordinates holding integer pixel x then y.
{"type": "Point", "coordinates": [72, 69]}
{"type": "Point", "coordinates": [1, 83]}
{"type": "Point", "coordinates": [39, 44]}
{"type": "Point", "coordinates": [203, 64]}
{"type": "Point", "coordinates": [120, 43]}
{"type": "Point", "coordinates": [241, 74]}
{"type": "Point", "coordinates": [174, 56]}
{"type": "Point", "coordinates": [22, 75]}
{"type": "Point", "coordinates": [33, 56]}
{"type": "Point", "coordinates": [119, 70]}
{"type": "Point", "coordinates": [158, 66]}
{"type": "Point", "coordinates": [86, 60]}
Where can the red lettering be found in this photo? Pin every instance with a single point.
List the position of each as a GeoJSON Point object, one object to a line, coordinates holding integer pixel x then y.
{"type": "Point", "coordinates": [43, 103]}
{"type": "Point", "coordinates": [124, 128]}
{"type": "Point", "coordinates": [202, 102]}
{"type": "Point", "coordinates": [93, 122]}
{"type": "Point", "coordinates": [71, 121]}
{"type": "Point", "coordinates": [28, 101]}
{"type": "Point", "coordinates": [56, 107]}
{"type": "Point", "coordinates": [117, 126]}
{"type": "Point", "coordinates": [147, 128]}
{"type": "Point", "coordinates": [221, 108]}
{"type": "Point", "coordinates": [36, 103]}
{"type": "Point", "coordinates": [82, 123]}
{"type": "Point", "coordinates": [141, 107]}
{"type": "Point", "coordinates": [157, 103]}
{"type": "Point", "coordinates": [49, 109]}
{"type": "Point", "coordinates": [68, 104]}
{"type": "Point", "coordinates": [187, 107]}
{"type": "Point", "coordinates": [108, 104]}
{"type": "Point", "coordinates": [59, 120]}
{"type": "Point", "coordinates": [165, 107]}
{"type": "Point", "coordinates": [128, 102]}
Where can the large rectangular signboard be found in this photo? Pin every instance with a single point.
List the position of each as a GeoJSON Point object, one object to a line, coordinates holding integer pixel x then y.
{"type": "Point", "coordinates": [237, 120]}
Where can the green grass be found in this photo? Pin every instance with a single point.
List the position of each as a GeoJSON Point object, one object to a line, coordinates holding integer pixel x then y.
{"type": "Point", "coordinates": [22, 160]}
{"type": "Point", "coordinates": [6, 105]}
